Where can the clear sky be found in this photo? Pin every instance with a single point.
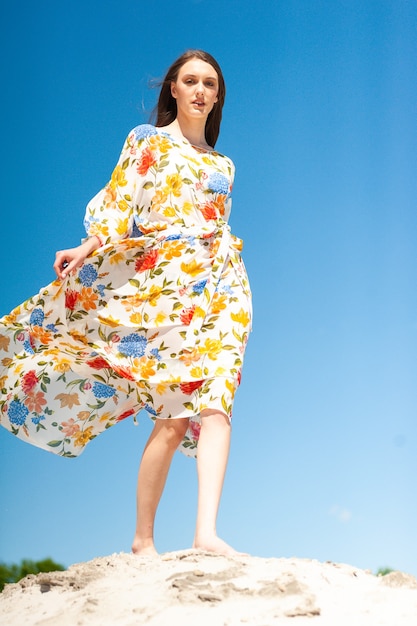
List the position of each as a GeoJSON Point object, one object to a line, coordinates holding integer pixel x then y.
{"type": "Point", "coordinates": [320, 119]}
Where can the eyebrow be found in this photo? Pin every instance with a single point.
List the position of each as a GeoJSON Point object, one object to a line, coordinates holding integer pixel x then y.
{"type": "Point", "coordinates": [194, 76]}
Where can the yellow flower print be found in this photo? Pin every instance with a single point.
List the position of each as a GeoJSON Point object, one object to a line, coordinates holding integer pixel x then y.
{"type": "Point", "coordinates": [122, 225]}
{"type": "Point", "coordinates": [153, 295]}
{"type": "Point", "coordinates": [230, 387]}
{"type": "Point", "coordinates": [105, 417]}
{"type": "Point", "coordinates": [123, 205]}
{"type": "Point", "coordinates": [218, 303]}
{"type": "Point", "coordinates": [118, 178]}
{"type": "Point", "coordinates": [12, 317]}
{"type": "Point", "coordinates": [196, 372]}
{"type": "Point", "coordinates": [144, 367]}
{"type": "Point", "coordinates": [63, 365]}
{"type": "Point", "coordinates": [160, 318]}
{"type": "Point", "coordinates": [162, 144]}
{"type": "Point", "coordinates": [241, 318]}
{"type": "Point", "coordinates": [109, 321]}
{"type": "Point", "coordinates": [6, 362]}
{"type": "Point", "coordinates": [99, 229]}
{"type": "Point", "coordinates": [83, 437]}
{"type": "Point", "coordinates": [187, 207]}
{"type": "Point", "coordinates": [136, 319]}
{"type": "Point", "coordinates": [174, 184]}
{"type": "Point", "coordinates": [169, 211]}
{"type": "Point", "coordinates": [117, 258]}
{"type": "Point", "coordinates": [161, 388]}
{"type": "Point", "coordinates": [193, 268]}
{"type": "Point", "coordinates": [220, 371]}
{"type": "Point", "coordinates": [173, 249]}
{"type": "Point", "coordinates": [212, 347]}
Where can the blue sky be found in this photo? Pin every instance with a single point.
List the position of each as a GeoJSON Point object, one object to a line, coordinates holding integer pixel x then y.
{"type": "Point", "coordinates": [320, 119]}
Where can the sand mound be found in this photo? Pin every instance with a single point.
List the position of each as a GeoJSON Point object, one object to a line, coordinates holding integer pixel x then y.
{"type": "Point", "coordinates": [199, 589]}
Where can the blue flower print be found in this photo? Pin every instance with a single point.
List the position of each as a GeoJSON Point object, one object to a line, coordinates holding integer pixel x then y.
{"type": "Point", "coordinates": [100, 289]}
{"type": "Point", "coordinates": [218, 183]}
{"type": "Point", "coordinates": [144, 130]}
{"type": "Point", "coordinates": [17, 412]}
{"type": "Point", "coordinates": [38, 419]}
{"type": "Point", "coordinates": [227, 289]}
{"type": "Point", "coordinates": [150, 410]}
{"type": "Point", "coordinates": [36, 317]}
{"type": "Point", "coordinates": [28, 347]}
{"type": "Point", "coordinates": [133, 345]}
{"type": "Point", "coordinates": [100, 390]}
{"type": "Point", "coordinates": [173, 237]}
{"type": "Point", "coordinates": [88, 275]}
{"type": "Point", "coordinates": [198, 288]}
{"type": "Point", "coordinates": [155, 353]}
{"type": "Point", "coordinates": [52, 328]}
{"type": "Point", "coordinates": [135, 231]}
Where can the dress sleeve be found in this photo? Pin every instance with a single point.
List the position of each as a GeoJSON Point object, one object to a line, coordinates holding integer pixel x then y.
{"type": "Point", "coordinates": [109, 215]}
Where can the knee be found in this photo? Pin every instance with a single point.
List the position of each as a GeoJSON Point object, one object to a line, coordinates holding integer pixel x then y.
{"type": "Point", "coordinates": [174, 431]}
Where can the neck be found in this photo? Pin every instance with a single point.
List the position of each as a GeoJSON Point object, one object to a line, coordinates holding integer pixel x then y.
{"type": "Point", "coordinates": [192, 130]}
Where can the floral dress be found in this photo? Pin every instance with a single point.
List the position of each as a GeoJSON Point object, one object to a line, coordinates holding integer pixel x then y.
{"type": "Point", "coordinates": [157, 318]}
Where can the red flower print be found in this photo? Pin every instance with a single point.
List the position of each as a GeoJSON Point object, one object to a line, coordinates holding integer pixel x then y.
{"type": "Point", "coordinates": [186, 315]}
{"type": "Point", "coordinates": [146, 161]}
{"type": "Point", "coordinates": [147, 262]}
{"type": "Point", "coordinates": [125, 414]}
{"type": "Point", "coordinates": [124, 371]}
{"type": "Point", "coordinates": [29, 381]}
{"type": "Point", "coordinates": [71, 298]}
{"type": "Point", "coordinates": [188, 388]}
{"type": "Point", "coordinates": [209, 211]}
{"type": "Point", "coordinates": [195, 429]}
{"type": "Point", "coordinates": [98, 363]}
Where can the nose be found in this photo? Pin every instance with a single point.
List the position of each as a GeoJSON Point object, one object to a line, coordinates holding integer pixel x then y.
{"type": "Point", "coordinates": [199, 88]}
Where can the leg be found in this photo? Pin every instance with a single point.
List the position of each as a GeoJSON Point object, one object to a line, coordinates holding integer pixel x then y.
{"type": "Point", "coordinates": [153, 471]}
{"type": "Point", "coordinates": [212, 456]}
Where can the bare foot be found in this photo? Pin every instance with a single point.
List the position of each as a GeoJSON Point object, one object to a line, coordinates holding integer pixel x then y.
{"type": "Point", "coordinates": [144, 548]}
{"type": "Point", "coordinates": [216, 545]}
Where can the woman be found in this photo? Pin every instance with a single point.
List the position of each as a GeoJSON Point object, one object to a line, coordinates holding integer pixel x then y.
{"type": "Point", "coordinates": [152, 310]}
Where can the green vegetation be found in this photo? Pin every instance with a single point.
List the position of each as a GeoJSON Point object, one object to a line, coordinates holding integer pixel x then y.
{"type": "Point", "coordinates": [383, 571]}
{"type": "Point", "coordinates": [13, 572]}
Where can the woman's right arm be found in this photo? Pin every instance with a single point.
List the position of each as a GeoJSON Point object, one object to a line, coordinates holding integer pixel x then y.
{"type": "Point", "coordinates": [68, 260]}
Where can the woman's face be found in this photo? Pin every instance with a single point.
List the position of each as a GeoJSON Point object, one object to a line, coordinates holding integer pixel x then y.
{"type": "Point", "coordinates": [195, 89]}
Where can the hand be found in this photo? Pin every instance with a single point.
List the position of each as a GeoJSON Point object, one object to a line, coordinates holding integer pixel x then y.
{"type": "Point", "coordinates": [68, 260]}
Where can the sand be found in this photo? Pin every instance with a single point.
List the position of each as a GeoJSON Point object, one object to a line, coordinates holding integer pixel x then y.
{"type": "Point", "coordinates": [200, 589]}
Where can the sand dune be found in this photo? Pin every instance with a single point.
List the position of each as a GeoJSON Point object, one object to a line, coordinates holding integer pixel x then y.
{"type": "Point", "coordinates": [199, 589]}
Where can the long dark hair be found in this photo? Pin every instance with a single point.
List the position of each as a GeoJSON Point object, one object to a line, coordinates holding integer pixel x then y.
{"type": "Point", "coordinates": [165, 111]}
